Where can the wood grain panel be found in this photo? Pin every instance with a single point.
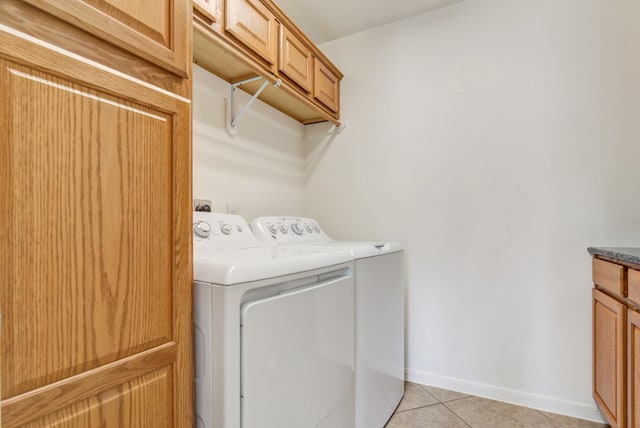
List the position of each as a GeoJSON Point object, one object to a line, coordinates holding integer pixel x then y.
{"type": "Point", "coordinates": [127, 405]}
{"type": "Point", "coordinates": [633, 369]}
{"type": "Point", "coordinates": [326, 86]}
{"type": "Point", "coordinates": [295, 59]}
{"type": "Point", "coordinates": [38, 24]}
{"type": "Point", "coordinates": [254, 25]}
{"type": "Point", "coordinates": [609, 357]}
{"type": "Point", "coordinates": [43, 401]}
{"type": "Point", "coordinates": [90, 166]}
{"type": "Point", "coordinates": [609, 276]}
{"type": "Point", "coordinates": [153, 29]}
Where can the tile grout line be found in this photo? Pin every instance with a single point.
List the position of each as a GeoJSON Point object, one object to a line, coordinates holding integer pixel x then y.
{"type": "Point", "coordinates": [445, 406]}
{"type": "Point", "coordinates": [456, 415]}
{"type": "Point", "coordinates": [552, 421]}
{"type": "Point", "coordinates": [416, 408]}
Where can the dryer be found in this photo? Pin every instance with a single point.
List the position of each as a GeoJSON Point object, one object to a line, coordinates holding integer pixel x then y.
{"type": "Point", "coordinates": [274, 330]}
{"type": "Point", "coordinates": [379, 283]}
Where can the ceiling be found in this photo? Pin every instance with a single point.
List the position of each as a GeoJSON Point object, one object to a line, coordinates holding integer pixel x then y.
{"type": "Point", "coordinates": [325, 20]}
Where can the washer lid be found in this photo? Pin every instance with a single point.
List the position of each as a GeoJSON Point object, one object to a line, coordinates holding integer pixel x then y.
{"type": "Point", "coordinates": [240, 265]}
{"type": "Point", "coordinates": [357, 249]}
{"type": "Point", "coordinates": [362, 249]}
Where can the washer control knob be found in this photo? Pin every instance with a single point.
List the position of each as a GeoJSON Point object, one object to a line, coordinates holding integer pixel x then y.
{"type": "Point", "coordinates": [273, 228]}
{"type": "Point", "coordinates": [226, 228]}
{"type": "Point", "coordinates": [297, 228]}
{"type": "Point", "coordinates": [316, 228]}
{"type": "Point", "coordinates": [309, 228]}
{"type": "Point", "coordinates": [284, 228]}
{"type": "Point", "coordinates": [201, 229]}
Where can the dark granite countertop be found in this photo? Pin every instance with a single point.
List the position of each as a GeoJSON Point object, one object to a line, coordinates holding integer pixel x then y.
{"type": "Point", "coordinates": [629, 255]}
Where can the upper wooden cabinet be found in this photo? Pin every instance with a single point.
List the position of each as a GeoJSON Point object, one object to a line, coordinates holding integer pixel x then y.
{"type": "Point", "coordinates": [254, 25]}
{"type": "Point", "coordinates": [326, 87]}
{"type": "Point", "coordinates": [155, 30]}
{"type": "Point", "coordinates": [257, 39]}
{"type": "Point", "coordinates": [295, 59]}
{"type": "Point", "coordinates": [209, 8]}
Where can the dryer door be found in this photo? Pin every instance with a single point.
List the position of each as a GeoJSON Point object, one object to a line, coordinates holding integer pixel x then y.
{"type": "Point", "coordinates": [297, 353]}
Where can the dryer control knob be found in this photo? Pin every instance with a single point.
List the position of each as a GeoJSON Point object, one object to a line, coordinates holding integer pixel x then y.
{"type": "Point", "coordinates": [316, 228]}
{"type": "Point", "coordinates": [297, 228]}
{"type": "Point", "coordinates": [309, 228]}
{"type": "Point", "coordinates": [201, 229]}
{"type": "Point", "coordinates": [226, 228]}
{"type": "Point", "coordinates": [273, 228]}
{"type": "Point", "coordinates": [284, 228]}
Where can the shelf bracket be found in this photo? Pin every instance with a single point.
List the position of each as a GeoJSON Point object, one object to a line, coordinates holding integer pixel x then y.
{"type": "Point", "coordinates": [236, 117]}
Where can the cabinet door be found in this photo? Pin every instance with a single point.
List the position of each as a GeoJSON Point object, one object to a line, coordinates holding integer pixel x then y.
{"type": "Point", "coordinates": [326, 87]}
{"type": "Point", "coordinates": [153, 29]}
{"type": "Point", "coordinates": [253, 24]}
{"type": "Point", "coordinates": [633, 368]}
{"type": "Point", "coordinates": [96, 265]}
{"type": "Point", "coordinates": [295, 59]}
{"type": "Point", "coordinates": [210, 8]}
{"type": "Point", "coordinates": [609, 357]}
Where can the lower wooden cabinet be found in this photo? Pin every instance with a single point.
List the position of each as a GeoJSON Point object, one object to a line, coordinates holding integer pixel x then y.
{"type": "Point", "coordinates": [96, 288]}
{"type": "Point", "coordinates": [633, 369]}
{"type": "Point", "coordinates": [609, 325]}
{"type": "Point", "coordinates": [616, 344]}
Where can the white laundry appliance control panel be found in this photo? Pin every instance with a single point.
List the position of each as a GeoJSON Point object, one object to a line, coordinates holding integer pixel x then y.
{"type": "Point", "coordinates": [217, 230]}
{"type": "Point", "coordinates": [288, 230]}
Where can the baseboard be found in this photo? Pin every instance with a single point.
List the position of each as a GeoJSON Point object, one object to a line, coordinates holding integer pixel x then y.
{"type": "Point", "coordinates": [588, 411]}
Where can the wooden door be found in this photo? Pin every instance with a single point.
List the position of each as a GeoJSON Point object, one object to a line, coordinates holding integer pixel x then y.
{"type": "Point", "coordinates": [633, 369]}
{"type": "Point", "coordinates": [295, 59]}
{"type": "Point", "coordinates": [156, 30]}
{"type": "Point", "coordinates": [254, 25]}
{"type": "Point", "coordinates": [609, 357]}
{"type": "Point", "coordinates": [96, 284]}
{"type": "Point", "coordinates": [326, 86]}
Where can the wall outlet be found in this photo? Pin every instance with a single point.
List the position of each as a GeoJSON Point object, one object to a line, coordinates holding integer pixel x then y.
{"type": "Point", "coordinates": [202, 205]}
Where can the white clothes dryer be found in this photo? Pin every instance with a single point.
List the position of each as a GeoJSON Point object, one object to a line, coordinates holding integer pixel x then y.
{"type": "Point", "coordinates": [379, 282]}
{"type": "Point", "coordinates": [274, 331]}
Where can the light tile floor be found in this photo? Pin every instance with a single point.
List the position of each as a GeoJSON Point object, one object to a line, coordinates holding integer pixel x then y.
{"type": "Point", "coordinates": [431, 407]}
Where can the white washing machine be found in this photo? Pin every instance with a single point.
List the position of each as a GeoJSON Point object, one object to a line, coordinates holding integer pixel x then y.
{"type": "Point", "coordinates": [274, 331]}
{"type": "Point", "coordinates": [379, 280]}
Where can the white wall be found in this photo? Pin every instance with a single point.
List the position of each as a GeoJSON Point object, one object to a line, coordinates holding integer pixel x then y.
{"type": "Point", "coordinates": [260, 170]}
{"type": "Point", "coordinates": [497, 139]}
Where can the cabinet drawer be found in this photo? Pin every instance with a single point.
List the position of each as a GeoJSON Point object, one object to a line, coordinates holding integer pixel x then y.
{"type": "Point", "coordinates": [609, 276]}
{"type": "Point", "coordinates": [633, 286]}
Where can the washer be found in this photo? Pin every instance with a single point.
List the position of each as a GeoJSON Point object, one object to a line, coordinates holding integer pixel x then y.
{"type": "Point", "coordinates": [274, 331]}
{"type": "Point", "coordinates": [379, 309]}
